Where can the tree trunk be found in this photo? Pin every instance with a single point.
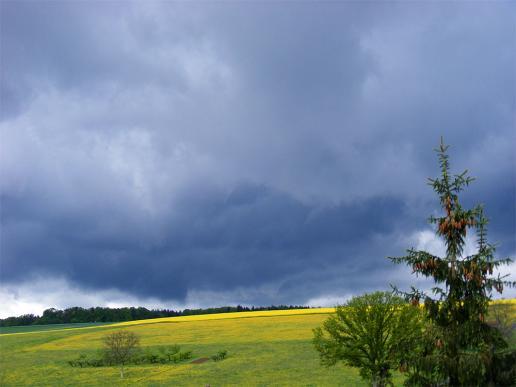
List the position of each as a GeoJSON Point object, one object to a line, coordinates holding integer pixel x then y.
{"type": "Point", "coordinates": [377, 383]}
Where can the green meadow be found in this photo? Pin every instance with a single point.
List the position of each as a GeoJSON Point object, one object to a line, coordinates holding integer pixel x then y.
{"type": "Point", "coordinates": [49, 327]}
{"type": "Point", "coordinates": [271, 349]}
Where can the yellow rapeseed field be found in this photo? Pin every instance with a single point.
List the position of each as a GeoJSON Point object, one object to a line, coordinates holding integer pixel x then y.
{"type": "Point", "coordinates": [223, 316]}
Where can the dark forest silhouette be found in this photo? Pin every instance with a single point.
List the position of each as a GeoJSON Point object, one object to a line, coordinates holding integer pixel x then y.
{"type": "Point", "coordinates": [104, 314]}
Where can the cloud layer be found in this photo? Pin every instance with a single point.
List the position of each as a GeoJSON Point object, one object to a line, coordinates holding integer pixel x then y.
{"type": "Point", "coordinates": [259, 153]}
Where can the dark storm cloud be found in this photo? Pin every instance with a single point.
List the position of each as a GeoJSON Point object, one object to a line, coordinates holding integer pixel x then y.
{"type": "Point", "coordinates": [216, 242]}
{"type": "Point", "coordinates": [165, 148]}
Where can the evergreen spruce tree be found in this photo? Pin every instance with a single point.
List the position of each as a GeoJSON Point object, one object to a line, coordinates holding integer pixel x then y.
{"type": "Point", "coordinates": [459, 347]}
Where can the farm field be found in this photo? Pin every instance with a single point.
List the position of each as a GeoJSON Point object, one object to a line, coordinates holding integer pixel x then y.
{"type": "Point", "coordinates": [49, 327]}
{"type": "Point", "coordinates": [269, 348]}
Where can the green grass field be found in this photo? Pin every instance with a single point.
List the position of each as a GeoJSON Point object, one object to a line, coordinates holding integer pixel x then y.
{"type": "Point", "coordinates": [50, 327]}
{"type": "Point", "coordinates": [264, 349]}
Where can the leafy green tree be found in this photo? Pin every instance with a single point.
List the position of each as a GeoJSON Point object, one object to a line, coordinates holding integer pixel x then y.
{"type": "Point", "coordinates": [459, 346]}
{"type": "Point", "coordinates": [372, 332]}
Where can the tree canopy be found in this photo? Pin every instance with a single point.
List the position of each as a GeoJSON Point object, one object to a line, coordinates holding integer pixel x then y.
{"type": "Point", "coordinates": [372, 332]}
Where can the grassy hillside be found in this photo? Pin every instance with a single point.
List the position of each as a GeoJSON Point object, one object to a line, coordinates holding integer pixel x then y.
{"type": "Point", "coordinates": [49, 327]}
{"type": "Point", "coordinates": [264, 348]}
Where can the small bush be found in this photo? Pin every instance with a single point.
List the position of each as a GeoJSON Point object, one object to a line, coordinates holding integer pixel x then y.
{"type": "Point", "coordinates": [79, 362]}
{"type": "Point", "coordinates": [83, 361]}
{"type": "Point", "coordinates": [221, 355]}
{"type": "Point", "coordinates": [181, 356]}
{"type": "Point", "coordinates": [161, 355]}
{"type": "Point", "coordinates": [169, 352]}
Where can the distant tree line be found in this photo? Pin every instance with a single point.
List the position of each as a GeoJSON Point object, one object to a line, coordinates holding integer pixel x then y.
{"type": "Point", "coordinates": [101, 314]}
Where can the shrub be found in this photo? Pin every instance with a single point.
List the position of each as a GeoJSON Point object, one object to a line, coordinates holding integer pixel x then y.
{"type": "Point", "coordinates": [221, 355]}
{"type": "Point", "coordinates": [161, 355]}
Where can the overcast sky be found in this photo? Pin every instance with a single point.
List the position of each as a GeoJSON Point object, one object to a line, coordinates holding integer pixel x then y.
{"type": "Point", "coordinates": [202, 154]}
